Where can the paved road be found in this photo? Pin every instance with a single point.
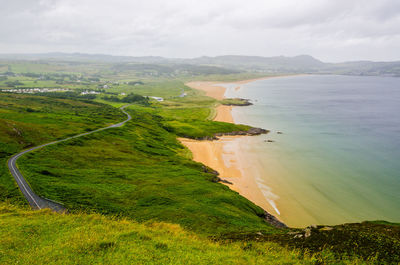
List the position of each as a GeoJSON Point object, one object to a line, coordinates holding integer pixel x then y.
{"type": "Point", "coordinates": [34, 200]}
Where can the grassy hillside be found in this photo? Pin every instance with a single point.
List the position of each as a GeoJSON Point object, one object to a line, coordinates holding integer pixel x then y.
{"type": "Point", "coordinates": [47, 238]}
{"type": "Point", "coordinates": [139, 171]}
{"type": "Point", "coordinates": [144, 174]}
{"type": "Point", "coordinates": [27, 121]}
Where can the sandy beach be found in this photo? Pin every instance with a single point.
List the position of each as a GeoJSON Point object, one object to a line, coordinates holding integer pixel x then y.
{"type": "Point", "coordinates": [227, 155]}
{"type": "Point", "coordinates": [213, 90]}
{"type": "Point", "coordinates": [223, 113]}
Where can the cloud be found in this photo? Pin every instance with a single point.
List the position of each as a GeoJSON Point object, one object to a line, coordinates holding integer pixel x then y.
{"type": "Point", "coordinates": [331, 30]}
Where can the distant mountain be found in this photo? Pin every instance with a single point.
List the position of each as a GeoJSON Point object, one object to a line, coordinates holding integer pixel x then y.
{"type": "Point", "coordinates": [258, 63]}
{"type": "Point", "coordinates": [231, 63]}
{"type": "Point", "coordinates": [364, 68]}
{"type": "Point", "coordinates": [59, 56]}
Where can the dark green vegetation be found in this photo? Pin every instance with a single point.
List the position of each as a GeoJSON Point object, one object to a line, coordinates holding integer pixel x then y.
{"type": "Point", "coordinates": [376, 242]}
{"type": "Point", "coordinates": [131, 98]}
{"type": "Point", "coordinates": [140, 172]}
{"type": "Point", "coordinates": [235, 102]}
{"type": "Point", "coordinates": [370, 240]}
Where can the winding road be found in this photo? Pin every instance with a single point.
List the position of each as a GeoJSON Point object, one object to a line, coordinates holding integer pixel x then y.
{"type": "Point", "coordinates": [35, 201]}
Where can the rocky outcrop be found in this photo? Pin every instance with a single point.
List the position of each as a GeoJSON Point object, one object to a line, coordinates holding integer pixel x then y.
{"type": "Point", "coordinates": [216, 174]}
{"type": "Point", "coordinates": [224, 181]}
{"type": "Point", "coordinates": [211, 171]}
{"type": "Point", "coordinates": [236, 102]}
{"type": "Point", "coordinates": [205, 138]}
{"type": "Point", "coordinates": [252, 131]}
{"type": "Point", "coordinates": [249, 132]}
{"type": "Point", "coordinates": [269, 218]}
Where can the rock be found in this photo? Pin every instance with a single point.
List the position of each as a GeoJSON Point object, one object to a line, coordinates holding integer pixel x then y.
{"type": "Point", "coordinates": [279, 132]}
{"type": "Point", "coordinates": [257, 131]}
{"type": "Point", "coordinates": [242, 102]}
{"type": "Point", "coordinates": [307, 232]}
{"type": "Point", "coordinates": [250, 132]}
{"type": "Point", "coordinates": [269, 218]}
{"type": "Point", "coordinates": [209, 170]}
{"type": "Point", "coordinates": [206, 138]}
{"type": "Point", "coordinates": [225, 181]}
{"type": "Point", "coordinates": [326, 228]}
{"type": "Point", "coordinates": [216, 174]}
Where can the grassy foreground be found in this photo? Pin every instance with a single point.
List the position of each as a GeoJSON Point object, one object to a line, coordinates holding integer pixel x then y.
{"type": "Point", "coordinates": [47, 238]}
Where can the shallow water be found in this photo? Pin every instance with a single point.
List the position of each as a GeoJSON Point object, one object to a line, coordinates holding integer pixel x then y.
{"type": "Point", "coordinates": [338, 159]}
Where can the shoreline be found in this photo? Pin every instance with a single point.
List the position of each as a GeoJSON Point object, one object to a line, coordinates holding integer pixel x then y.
{"type": "Point", "coordinates": [211, 88]}
{"type": "Point", "coordinates": [227, 155]}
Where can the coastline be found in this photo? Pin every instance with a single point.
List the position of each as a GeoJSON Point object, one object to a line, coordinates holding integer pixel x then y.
{"type": "Point", "coordinates": [228, 155]}
{"type": "Point", "coordinates": [212, 89]}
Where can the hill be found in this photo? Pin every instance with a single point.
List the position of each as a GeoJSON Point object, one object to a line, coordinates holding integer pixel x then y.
{"type": "Point", "coordinates": [226, 64]}
{"type": "Point", "coordinates": [47, 238]}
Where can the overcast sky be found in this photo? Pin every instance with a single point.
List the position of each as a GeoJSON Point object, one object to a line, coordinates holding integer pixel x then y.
{"type": "Point", "coordinates": [331, 30]}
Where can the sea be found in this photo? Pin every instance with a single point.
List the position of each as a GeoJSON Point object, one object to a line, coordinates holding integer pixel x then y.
{"type": "Point", "coordinates": [333, 152]}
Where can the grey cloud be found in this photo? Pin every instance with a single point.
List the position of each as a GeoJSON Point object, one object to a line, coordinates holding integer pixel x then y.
{"type": "Point", "coordinates": [331, 30]}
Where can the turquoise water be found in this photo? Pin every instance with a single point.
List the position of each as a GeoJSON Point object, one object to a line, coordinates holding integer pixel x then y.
{"type": "Point", "coordinates": [338, 159]}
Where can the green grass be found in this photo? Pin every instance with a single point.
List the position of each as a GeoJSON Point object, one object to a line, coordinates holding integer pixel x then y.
{"type": "Point", "coordinates": [143, 176]}
{"type": "Point", "coordinates": [196, 129]}
{"type": "Point", "coordinates": [43, 237]}
{"type": "Point", "coordinates": [188, 116]}
{"type": "Point", "coordinates": [27, 121]}
{"type": "Point", "coordinates": [234, 102]}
